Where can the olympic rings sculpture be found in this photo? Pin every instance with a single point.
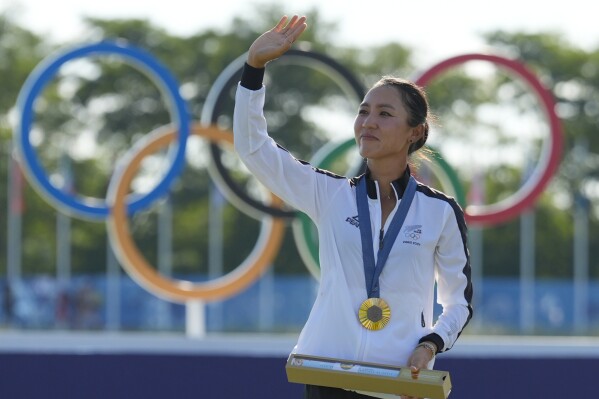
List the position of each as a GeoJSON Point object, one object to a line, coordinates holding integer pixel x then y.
{"type": "Point", "coordinates": [118, 206]}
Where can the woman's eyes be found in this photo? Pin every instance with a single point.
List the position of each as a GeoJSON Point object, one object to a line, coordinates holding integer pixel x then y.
{"type": "Point", "coordinates": [365, 112]}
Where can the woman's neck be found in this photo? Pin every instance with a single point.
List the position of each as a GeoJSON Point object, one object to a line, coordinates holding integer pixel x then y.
{"type": "Point", "coordinates": [386, 172]}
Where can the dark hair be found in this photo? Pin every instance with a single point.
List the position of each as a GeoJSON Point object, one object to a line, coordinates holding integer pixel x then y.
{"type": "Point", "coordinates": [415, 100]}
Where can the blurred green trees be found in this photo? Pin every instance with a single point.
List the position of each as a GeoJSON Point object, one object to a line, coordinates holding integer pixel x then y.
{"type": "Point", "coordinates": [489, 123]}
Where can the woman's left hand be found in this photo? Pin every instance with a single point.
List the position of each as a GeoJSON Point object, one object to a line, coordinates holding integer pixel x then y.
{"type": "Point", "coordinates": [419, 359]}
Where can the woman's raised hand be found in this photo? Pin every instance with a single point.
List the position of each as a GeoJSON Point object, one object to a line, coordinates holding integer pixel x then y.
{"type": "Point", "coordinates": [274, 43]}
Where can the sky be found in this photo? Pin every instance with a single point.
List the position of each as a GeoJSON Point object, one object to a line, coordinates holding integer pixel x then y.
{"type": "Point", "coordinates": [435, 29]}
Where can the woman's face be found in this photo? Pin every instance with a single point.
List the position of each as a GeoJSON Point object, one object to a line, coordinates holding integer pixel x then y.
{"type": "Point", "coordinates": [381, 127]}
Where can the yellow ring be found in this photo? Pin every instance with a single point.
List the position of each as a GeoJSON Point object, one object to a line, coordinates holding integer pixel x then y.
{"type": "Point", "coordinates": [267, 247]}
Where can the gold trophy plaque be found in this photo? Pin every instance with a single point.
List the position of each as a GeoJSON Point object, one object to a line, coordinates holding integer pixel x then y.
{"type": "Point", "coordinates": [367, 377]}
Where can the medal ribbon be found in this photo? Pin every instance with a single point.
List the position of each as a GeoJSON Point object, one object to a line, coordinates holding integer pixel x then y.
{"type": "Point", "coordinates": [372, 271]}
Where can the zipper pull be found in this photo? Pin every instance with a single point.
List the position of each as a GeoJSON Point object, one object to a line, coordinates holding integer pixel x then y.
{"type": "Point", "coordinates": [381, 235]}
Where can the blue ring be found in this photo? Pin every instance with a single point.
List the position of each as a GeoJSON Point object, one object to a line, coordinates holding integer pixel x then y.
{"type": "Point", "coordinates": [45, 72]}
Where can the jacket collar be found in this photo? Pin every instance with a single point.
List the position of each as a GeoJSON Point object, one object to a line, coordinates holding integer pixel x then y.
{"type": "Point", "coordinates": [399, 184]}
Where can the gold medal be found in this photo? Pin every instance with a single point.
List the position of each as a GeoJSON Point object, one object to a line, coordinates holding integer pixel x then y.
{"type": "Point", "coordinates": [374, 314]}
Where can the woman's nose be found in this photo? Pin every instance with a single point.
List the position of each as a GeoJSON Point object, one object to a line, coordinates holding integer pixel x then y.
{"type": "Point", "coordinates": [369, 121]}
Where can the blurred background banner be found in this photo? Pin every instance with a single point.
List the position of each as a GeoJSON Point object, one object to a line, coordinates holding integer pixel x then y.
{"type": "Point", "coordinates": [535, 273]}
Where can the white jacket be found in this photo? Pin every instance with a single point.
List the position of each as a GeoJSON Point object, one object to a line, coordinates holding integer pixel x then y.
{"type": "Point", "coordinates": [431, 246]}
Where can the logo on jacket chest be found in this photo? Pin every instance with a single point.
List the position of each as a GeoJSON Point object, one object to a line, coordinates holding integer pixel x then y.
{"type": "Point", "coordinates": [353, 220]}
{"type": "Point", "coordinates": [412, 234]}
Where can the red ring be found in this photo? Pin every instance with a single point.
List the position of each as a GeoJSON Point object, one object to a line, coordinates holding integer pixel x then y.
{"type": "Point", "coordinates": [520, 200]}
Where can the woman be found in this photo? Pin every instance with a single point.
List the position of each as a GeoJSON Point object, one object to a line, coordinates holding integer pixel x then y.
{"type": "Point", "coordinates": [372, 309]}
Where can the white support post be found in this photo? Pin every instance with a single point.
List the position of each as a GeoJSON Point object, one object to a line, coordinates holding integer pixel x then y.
{"type": "Point", "coordinates": [195, 319]}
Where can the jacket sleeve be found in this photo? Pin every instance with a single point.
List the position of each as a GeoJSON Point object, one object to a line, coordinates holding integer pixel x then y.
{"type": "Point", "coordinates": [454, 284]}
{"type": "Point", "coordinates": [294, 181]}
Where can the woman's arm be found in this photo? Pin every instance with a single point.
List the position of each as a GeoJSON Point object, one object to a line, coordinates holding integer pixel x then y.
{"type": "Point", "coordinates": [454, 283]}
{"type": "Point", "coordinates": [294, 181]}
